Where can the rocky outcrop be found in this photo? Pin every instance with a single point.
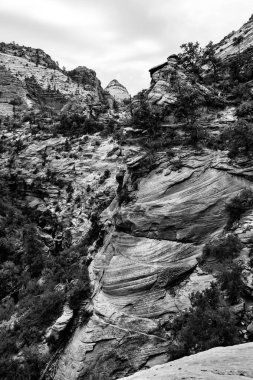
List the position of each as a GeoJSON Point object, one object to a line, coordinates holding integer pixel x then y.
{"type": "Point", "coordinates": [237, 41]}
{"type": "Point", "coordinates": [180, 205]}
{"type": "Point", "coordinates": [37, 56]}
{"type": "Point", "coordinates": [87, 79]}
{"type": "Point", "coordinates": [161, 91]}
{"type": "Point", "coordinates": [117, 91]}
{"type": "Point", "coordinates": [218, 363]}
{"type": "Point", "coordinates": [58, 176]}
{"type": "Point", "coordinates": [13, 97]}
{"type": "Point", "coordinates": [39, 82]}
{"type": "Point", "coordinates": [166, 81]}
{"type": "Point", "coordinates": [60, 324]}
{"type": "Point", "coordinates": [168, 77]}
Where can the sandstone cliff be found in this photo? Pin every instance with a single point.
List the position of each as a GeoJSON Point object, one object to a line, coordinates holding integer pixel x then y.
{"type": "Point", "coordinates": [117, 91]}
{"type": "Point", "coordinates": [239, 40]}
{"type": "Point", "coordinates": [153, 245]}
{"type": "Point", "coordinates": [34, 80]}
{"type": "Point", "coordinates": [147, 268]}
{"type": "Point", "coordinates": [149, 211]}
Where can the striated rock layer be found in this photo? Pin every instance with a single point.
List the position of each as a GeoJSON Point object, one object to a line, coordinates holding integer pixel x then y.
{"type": "Point", "coordinates": [147, 267]}
{"type": "Point", "coordinates": [236, 41]}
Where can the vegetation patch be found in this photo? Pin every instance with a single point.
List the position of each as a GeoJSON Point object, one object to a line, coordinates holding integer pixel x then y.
{"type": "Point", "coordinates": [208, 323]}
{"type": "Point", "coordinates": [226, 247]}
{"type": "Point", "coordinates": [237, 205]}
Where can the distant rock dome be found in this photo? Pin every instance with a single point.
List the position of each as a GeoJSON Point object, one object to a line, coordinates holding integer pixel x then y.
{"type": "Point", "coordinates": [117, 91]}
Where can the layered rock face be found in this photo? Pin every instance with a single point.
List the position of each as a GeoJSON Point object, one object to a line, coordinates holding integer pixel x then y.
{"type": "Point", "coordinates": [151, 248]}
{"type": "Point", "coordinates": [161, 91]}
{"type": "Point", "coordinates": [147, 268]}
{"type": "Point", "coordinates": [117, 91]}
{"type": "Point", "coordinates": [60, 177]}
{"type": "Point", "coordinates": [218, 363]}
{"type": "Point", "coordinates": [36, 56]}
{"type": "Point", "coordinates": [237, 41]}
{"type": "Point", "coordinates": [154, 224]}
{"type": "Point", "coordinates": [88, 79]}
{"type": "Point", "coordinates": [12, 93]}
{"type": "Point", "coordinates": [39, 81]}
{"type": "Point", "coordinates": [166, 80]}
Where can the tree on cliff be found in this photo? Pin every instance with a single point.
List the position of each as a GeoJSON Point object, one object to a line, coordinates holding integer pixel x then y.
{"type": "Point", "coordinates": [209, 58]}
{"type": "Point", "coordinates": [239, 138]}
{"type": "Point", "coordinates": [208, 323]}
{"type": "Point", "coordinates": [33, 255]}
{"type": "Point", "coordinates": [237, 42]}
{"type": "Point", "coordinates": [191, 58]}
{"type": "Point", "coordinates": [187, 109]}
{"type": "Point", "coordinates": [143, 117]}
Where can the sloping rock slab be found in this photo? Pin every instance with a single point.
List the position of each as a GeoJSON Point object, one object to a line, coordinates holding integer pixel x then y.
{"type": "Point", "coordinates": [233, 363]}
{"type": "Point", "coordinates": [186, 205]}
{"type": "Point", "coordinates": [135, 271]}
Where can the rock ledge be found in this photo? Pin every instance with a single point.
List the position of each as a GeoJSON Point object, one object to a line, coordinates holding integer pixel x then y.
{"type": "Point", "coordinates": [231, 363]}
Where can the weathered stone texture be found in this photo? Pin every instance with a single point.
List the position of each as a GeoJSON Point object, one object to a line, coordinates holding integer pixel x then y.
{"type": "Point", "coordinates": [231, 363]}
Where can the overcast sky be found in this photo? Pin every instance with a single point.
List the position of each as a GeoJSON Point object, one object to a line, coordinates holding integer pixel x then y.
{"type": "Point", "coordinates": [119, 39]}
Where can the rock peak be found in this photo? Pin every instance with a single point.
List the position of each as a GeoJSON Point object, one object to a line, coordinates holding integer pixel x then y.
{"type": "Point", "coordinates": [115, 82]}
{"type": "Point", "coordinates": [117, 90]}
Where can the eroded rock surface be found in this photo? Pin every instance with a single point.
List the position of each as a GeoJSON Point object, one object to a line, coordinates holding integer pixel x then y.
{"type": "Point", "coordinates": [147, 267]}
{"type": "Point", "coordinates": [218, 363]}
{"type": "Point", "coordinates": [166, 80]}
{"type": "Point", "coordinates": [117, 91]}
{"type": "Point", "coordinates": [35, 77]}
{"type": "Point", "coordinates": [239, 40]}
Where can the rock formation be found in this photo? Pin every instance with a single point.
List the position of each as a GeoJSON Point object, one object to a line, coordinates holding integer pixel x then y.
{"type": "Point", "coordinates": [218, 363]}
{"type": "Point", "coordinates": [154, 245]}
{"type": "Point", "coordinates": [153, 241]}
{"type": "Point", "coordinates": [37, 81]}
{"type": "Point", "coordinates": [239, 40]}
{"type": "Point", "coordinates": [153, 212]}
{"type": "Point", "coordinates": [117, 91]}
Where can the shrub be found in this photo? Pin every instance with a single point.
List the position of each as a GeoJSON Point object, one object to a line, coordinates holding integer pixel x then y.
{"type": "Point", "coordinates": [237, 205]}
{"type": "Point", "coordinates": [44, 309]}
{"type": "Point", "coordinates": [187, 108]}
{"type": "Point", "coordinates": [239, 139]}
{"type": "Point", "coordinates": [208, 323]}
{"type": "Point", "coordinates": [76, 125]}
{"type": "Point", "coordinates": [230, 280]}
{"type": "Point", "coordinates": [191, 58]}
{"type": "Point", "coordinates": [245, 109]}
{"type": "Point", "coordinates": [33, 256]}
{"type": "Point", "coordinates": [30, 367]}
{"type": "Point", "coordinates": [124, 196]}
{"type": "Point", "coordinates": [226, 247]}
{"type": "Point", "coordinates": [103, 177]}
{"type": "Point", "coordinates": [6, 249]}
{"type": "Point", "coordinates": [79, 293]}
{"type": "Point", "coordinates": [143, 117]}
